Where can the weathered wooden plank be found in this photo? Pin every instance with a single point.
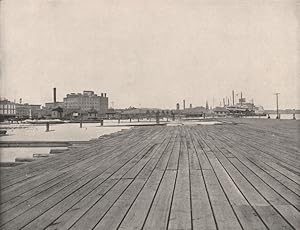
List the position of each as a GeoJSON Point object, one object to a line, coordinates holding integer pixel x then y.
{"type": "Point", "coordinates": [100, 187]}
{"type": "Point", "coordinates": [133, 172]}
{"type": "Point", "coordinates": [180, 217]}
{"type": "Point", "coordinates": [267, 213]}
{"type": "Point", "coordinates": [245, 213]}
{"type": "Point", "coordinates": [224, 214]}
{"type": "Point", "coordinates": [64, 187]}
{"type": "Point", "coordinates": [289, 212]}
{"type": "Point", "coordinates": [116, 213]}
{"type": "Point", "coordinates": [137, 214]}
{"type": "Point", "coordinates": [91, 218]}
{"type": "Point", "coordinates": [193, 158]}
{"type": "Point", "coordinates": [262, 168]}
{"type": "Point", "coordinates": [200, 153]}
{"type": "Point", "coordinates": [173, 161]}
{"type": "Point", "coordinates": [162, 164]}
{"type": "Point", "coordinates": [81, 207]}
{"type": "Point", "coordinates": [291, 175]}
{"type": "Point", "coordinates": [203, 217]}
{"type": "Point", "coordinates": [268, 179]}
{"type": "Point", "coordinates": [159, 212]}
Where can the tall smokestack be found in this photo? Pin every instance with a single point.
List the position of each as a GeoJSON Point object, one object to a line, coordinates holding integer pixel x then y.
{"type": "Point", "coordinates": [54, 95]}
{"type": "Point", "coordinates": [232, 97]}
{"type": "Point", "coordinates": [183, 104]}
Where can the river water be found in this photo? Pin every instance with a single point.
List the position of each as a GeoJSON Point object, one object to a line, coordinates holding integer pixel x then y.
{"type": "Point", "coordinates": [282, 116]}
{"type": "Point", "coordinates": [58, 132]}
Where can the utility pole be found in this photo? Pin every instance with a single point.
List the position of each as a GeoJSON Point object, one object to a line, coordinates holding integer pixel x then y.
{"type": "Point", "coordinates": [277, 117]}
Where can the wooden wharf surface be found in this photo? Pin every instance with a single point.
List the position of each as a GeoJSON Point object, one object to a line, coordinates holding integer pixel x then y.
{"type": "Point", "coordinates": [240, 175]}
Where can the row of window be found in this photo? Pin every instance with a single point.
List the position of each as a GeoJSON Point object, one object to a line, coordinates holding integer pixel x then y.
{"type": "Point", "coordinates": [7, 106]}
{"type": "Point", "coordinates": [7, 111]}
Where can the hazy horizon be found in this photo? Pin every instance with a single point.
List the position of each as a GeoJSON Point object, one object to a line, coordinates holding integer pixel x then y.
{"type": "Point", "coordinates": [151, 53]}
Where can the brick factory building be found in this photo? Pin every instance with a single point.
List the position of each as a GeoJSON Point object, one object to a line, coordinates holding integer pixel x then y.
{"type": "Point", "coordinates": [25, 111]}
{"type": "Point", "coordinates": [7, 109]}
{"type": "Point", "coordinates": [86, 101]}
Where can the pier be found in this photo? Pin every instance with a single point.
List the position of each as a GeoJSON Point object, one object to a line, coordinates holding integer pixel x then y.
{"type": "Point", "coordinates": [241, 174]}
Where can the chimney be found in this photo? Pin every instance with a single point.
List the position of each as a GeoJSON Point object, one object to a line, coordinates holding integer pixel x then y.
{"type": "Point", "coordinates": [104, 94]}
{"type": "Point", "coordinates": [101, 94]}
{"type": "Point", "coordinates": [54, 95]}
{"type": "Point", "coordinates": [177, 106]}
{"type": "Point", "coordinates": [191, 106]}
{"type": "Point", "coordinates": [232, 97]}
{"type": "Point", "coordinates": [183, 104]}
{"type": "Point", "coordinates": [20, 100]}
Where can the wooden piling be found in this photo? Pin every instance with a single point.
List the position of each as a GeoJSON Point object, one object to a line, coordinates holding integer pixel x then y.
{"type": "Point", "coordinates": [47, 126]}
{"type": "Point", "coordinates": [157, 117]}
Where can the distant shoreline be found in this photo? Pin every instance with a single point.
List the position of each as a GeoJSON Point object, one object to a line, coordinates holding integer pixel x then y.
{"type": "Point", "coordinates": [289, 111]}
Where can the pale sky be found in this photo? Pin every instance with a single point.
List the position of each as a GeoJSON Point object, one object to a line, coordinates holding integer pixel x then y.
{"type": "Point", "coordinates": [151, 53]}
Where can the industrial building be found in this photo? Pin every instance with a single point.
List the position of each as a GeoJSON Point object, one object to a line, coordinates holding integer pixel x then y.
{"type": "Point", "coordinates": [86, 101]}
{"type": "Point", "coordinates": [7, 109]}
{"type": "Point", "coordinates": [25, 111]}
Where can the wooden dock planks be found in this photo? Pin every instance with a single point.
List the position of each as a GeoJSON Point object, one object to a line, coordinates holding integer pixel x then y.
{"type": "Point", "coordinates": [243, 176]}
